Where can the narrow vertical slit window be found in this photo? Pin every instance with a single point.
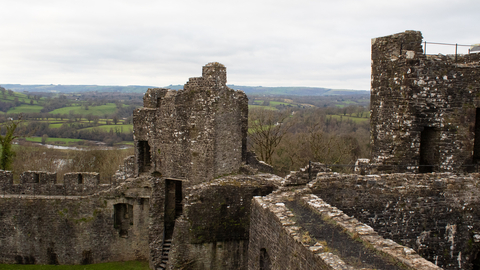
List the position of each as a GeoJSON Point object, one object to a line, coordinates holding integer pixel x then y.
{"type": "Point", "coordinates": [36, 178]}
{"type": "Point", "coordinates": [144, 156]}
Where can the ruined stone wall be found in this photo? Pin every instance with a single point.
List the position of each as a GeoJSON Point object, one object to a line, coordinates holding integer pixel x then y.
{"type": "Point", "coordinates": [280, 239]}
{"type": "Point", "coordinates": [45, 183]}
{"type": "Point", "coordinates": [435, 214]}
{"type": "Point", "coordinates": [271, 242]}
{"type": "Point", "coordinates": [197, 133]}
{"type": "Point", "coordinates": [414, 93]}
{"type": "Point", "coordinates": [213, 232]}
{"type": "Point", "coordinates": [107, 226]}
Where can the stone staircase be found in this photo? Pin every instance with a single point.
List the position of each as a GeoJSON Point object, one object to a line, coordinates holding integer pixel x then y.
{"type": "Point", "coordinates": [165, 250]}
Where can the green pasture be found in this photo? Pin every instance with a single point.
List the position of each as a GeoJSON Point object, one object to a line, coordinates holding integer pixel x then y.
{"type": "Point", "coordinates": [24, 108]}
{"type": "Point", "coordinates": [101, 110]}
{"type": "Point", "coordinates": [127, 142]}
{"type": "Point", "coordinates": [52, 140]}
{"type": "Point", "coordinates": [56, 125]}
{"type": "Point", "coordinates": [275, 103]}
{"type": "Point", "coordinates": [130, 265]}
{"type": "Point", "coordinates": [124, 128]}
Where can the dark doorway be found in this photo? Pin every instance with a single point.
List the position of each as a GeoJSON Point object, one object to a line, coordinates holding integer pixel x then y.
{"type": "Point", "coordinates": [144, 156]}
{"type": "Point", "coordinates": [173, 205]}
{"type": "Point", "coordinates": [264, 260]}
{"type": "Point", "coordinates": [428, 150]}
{"type": "Point", "coordinates": [476, 261]}
{"type": "Point", "coordinates": [476, 142]}
{"type": "Point", "coordinates": [123, 218]}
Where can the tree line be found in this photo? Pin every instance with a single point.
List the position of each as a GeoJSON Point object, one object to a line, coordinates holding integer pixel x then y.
{"type": "Point", "coordinates": [288, 140]}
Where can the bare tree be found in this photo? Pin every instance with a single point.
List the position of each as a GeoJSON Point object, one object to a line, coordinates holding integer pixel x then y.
{"type": "Point", "coordinates": [266, 130]}
{"type": "Point", "coordinates": [328, 148]}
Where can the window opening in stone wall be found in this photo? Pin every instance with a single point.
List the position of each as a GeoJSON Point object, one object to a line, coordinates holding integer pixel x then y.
{"type": "Point", "coordinates": [173, 205]}
{"type": "Point", "coordinates": [476, 142]}
{"type": "Point", "coordinates": [428, 150]}
{"type": "Point", "coordinates": [123, 218]}
{"type": "Point", "coordinates": [36, 178]}
{"type": "Point", "coordinates": [264, 260]}
{"type": "Point", "coordinates": [144, 156]}
{"type": "Point", "coordinates": [80, 179]}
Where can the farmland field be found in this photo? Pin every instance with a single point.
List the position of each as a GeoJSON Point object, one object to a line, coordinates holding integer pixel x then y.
{"type": "Point", "coordinates": [101, 110]}
{"type": "Point", "coordinates": [26, 109]}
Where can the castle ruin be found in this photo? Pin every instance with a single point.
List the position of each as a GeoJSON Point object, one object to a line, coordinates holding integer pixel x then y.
{"type": "Point", "coordinates": [192, 197]}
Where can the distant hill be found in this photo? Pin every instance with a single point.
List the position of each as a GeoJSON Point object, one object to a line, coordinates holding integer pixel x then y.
{"type": "Point", "coordinates": [249, 90]}
{"type": "Point", "coordinates": [296, 91]}
{"type": "Point", "coordinates": [75, 88]}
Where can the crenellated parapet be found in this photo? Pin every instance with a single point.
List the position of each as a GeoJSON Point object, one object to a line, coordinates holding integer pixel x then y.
{"type": "Point", "coordinates": [38, 177]}
{"type": "Point", "coordinates": [45, 183]}
{"type": "Point", "coordinates": [84, 179]}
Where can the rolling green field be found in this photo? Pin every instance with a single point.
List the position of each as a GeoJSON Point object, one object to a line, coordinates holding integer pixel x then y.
{"type": "Point", "coordinates": [26, 109]}
{"type": "Point", "coordinates": [101, 110]}
{"type": "Point", "coordinates": [130, 265]}
{"type": "Point", "coordinates": [52, 140]}
{"type": "Point", "coordinates": [123, 128]}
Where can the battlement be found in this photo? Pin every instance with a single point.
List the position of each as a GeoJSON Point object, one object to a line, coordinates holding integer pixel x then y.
{"type": "Point", "coordinates": [45, 183]}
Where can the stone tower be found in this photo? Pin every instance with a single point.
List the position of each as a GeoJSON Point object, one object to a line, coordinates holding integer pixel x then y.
{"type": "Point", "coordinates": [425, 109]}
{"type": "Point", "coordinates": [194, 134]}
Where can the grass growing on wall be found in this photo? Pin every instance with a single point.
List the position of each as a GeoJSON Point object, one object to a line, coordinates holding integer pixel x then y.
{"type": "Point", "coordinates": [130, 265]}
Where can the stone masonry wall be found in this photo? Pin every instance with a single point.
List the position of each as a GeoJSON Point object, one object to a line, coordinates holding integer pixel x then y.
{"type": "Point", "coordinates": [435, 214]}
{"type": "Point", "coordinates": [107, 226]}
{"type": "Point", "coordinates": [213, 232]}
{"type": "Point", "coordinates": [277, 240]}
{"type": "Point", "coordinates": [414, 94]}
{"type": "Point", "coordinates": [197, 133]}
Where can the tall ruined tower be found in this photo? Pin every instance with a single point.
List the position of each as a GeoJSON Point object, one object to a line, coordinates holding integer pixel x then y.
{"type": "Point", "coordinates": [425, 109]}
{"type": "Point", "coordinates": [194, 134]}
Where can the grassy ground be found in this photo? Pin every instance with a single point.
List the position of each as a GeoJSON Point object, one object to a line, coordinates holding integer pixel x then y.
{"type": "Point", "coordinates": [26, 109]}
{"type": "Point", "coordinates": [52, 140]}
{"type": "Point", "coordinates": [101, 110]}
{"type": "Point", "coordinates": [123, 128]}
{"type": "Point", "coordinates": [131, 265]}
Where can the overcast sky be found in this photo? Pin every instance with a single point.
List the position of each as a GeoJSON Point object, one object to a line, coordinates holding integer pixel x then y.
{"type": "Point", "coordinates": [268, 43]}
